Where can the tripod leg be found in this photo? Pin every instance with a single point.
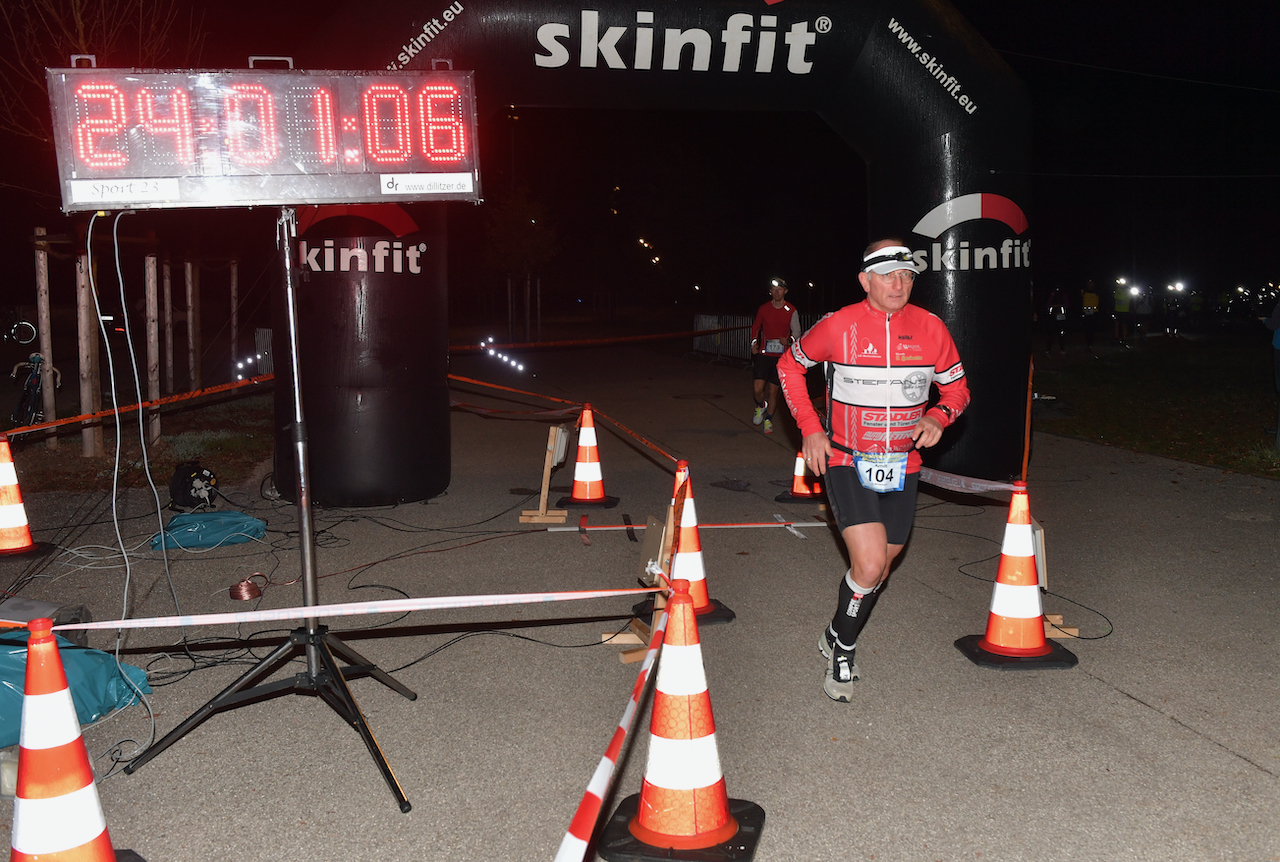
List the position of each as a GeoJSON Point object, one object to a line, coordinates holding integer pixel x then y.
{"type": "Point", "coordinates": [333, 688]}
{"type": "Point", "coordinates": [223, 700]}
{"type": "Point", "coordinates": [352, 657]}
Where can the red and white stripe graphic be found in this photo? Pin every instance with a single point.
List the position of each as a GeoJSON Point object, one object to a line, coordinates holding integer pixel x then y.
{"type": "Point", "coordinates": [351, 609]}
{"type": "Point", "coordinates": [574, 846]}
{"type": "Point", "coordinates": [970, 207]}
{"type": "Point", "coordinates": [1015, 626]}
{"type": "Point", "coordinates": [56, 812]}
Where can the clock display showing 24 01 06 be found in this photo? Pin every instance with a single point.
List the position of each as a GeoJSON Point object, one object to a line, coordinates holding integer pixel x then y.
{"type": "Point", "coordinates": [129, 139]}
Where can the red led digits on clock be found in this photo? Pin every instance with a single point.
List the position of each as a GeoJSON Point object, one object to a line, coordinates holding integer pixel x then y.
{"type": "Point", "coordinates": [326, 142]}
{"type": "Point", "coordinates": [386, 109]}
{"type": "Point", "coordinates": [443, 135]}
{"type": "Point", "coordinates": [309, 123]}
{"type": "Point", "coordinates": [251, 124]}
{"type": "Point", "coordinates": [177, 123]}
{"type": "Point", "coordinates": [110, 121]}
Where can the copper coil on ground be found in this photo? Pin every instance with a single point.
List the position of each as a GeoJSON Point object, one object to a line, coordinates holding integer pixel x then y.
{"type": "Point", "coordinates": [246, 590]}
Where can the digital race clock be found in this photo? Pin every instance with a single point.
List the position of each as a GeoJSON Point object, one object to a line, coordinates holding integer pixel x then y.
{"type": "Point", "coordinates": [143, 140]}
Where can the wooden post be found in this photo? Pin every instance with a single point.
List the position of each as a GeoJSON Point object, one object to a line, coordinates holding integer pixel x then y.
{"type": "Point", "coordinates": [153, 349]}
{"type": "Point", "coordinates": [91, 443]}
{"type": "Point", "coordinates": [168, 329]}
{"type": "Point", "coordinates": [235, 314]}
{"type": "Point", "coordinates": [193, 325]}
{"type": "Point", "coordinates": [48, 390]}
{"type": "Point", "coordinates": [543, 515]}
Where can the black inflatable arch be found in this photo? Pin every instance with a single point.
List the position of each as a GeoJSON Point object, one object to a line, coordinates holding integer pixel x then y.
{"type": "Point", "coordinates": [940, 121]}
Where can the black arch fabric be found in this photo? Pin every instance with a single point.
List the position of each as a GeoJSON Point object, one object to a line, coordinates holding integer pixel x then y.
{"type": "Point", "coordinates": [941, 122]}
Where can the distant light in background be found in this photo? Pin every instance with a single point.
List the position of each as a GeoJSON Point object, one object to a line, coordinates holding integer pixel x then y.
{"type": "Point", "coordinates": [506, 360]}
{"type": "Point", "coordinates": [241, 366]}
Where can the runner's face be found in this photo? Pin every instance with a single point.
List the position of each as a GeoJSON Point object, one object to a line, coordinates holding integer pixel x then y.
{"type": "Point", "coordinates": [777, 292]}
{"type": "Point", "coordinates": [888, 293]}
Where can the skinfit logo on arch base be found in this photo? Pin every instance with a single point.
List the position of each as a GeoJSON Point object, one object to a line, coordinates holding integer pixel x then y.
{"type": "Point", "coordinates": [1011, 254]}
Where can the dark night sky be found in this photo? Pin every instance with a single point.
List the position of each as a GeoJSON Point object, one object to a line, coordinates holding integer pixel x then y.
{"type": "Point", "coordinates": [1155, 144]}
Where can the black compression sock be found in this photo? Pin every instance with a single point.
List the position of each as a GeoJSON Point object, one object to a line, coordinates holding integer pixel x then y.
{"type": "Point", "coordinates": [851, 614]}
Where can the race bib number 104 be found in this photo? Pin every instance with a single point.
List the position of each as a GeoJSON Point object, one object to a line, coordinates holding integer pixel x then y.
{"type": "Point", "coordinates": [882, 471]}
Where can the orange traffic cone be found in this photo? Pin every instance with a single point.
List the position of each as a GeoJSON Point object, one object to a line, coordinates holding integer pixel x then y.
{"type": "Point", "coordinates": [588, 481]}
{"type": "Point", "coordinates": [805, 487]}
{"type": "Point", "coordinates": [686, 561]}
{"type": "Point", "coordinates": [1015, 627]}
{"type": "Point", "coordinates": [15, 534]}
{"type": "Point", "coordinates": [683, 804]}
{"type": "Point", "coordinates": [56, 812]}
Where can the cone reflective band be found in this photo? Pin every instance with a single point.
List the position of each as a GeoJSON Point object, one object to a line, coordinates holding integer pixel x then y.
{"type": "Point", "coordinates": [15, 533]}
{"type": "Point", "coordinates": [683, 801]}
{"type": "Point", "coordinates": [56, 812]}
{"type": "Point", "coordinates": [1015, 628]}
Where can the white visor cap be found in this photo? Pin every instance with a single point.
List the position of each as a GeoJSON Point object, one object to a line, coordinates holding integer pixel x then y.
{"type": "Point", "coordinates": [889, 259]}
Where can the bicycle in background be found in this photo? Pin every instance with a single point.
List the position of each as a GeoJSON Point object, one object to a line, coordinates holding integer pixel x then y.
{"type": "Point", "coordinates": [21, 331]}
{"type": "Point", "coordinates": [30, 409]}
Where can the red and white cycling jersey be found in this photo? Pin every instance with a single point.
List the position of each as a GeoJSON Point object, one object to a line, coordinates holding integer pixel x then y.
{"type": "Point", "coordinates": [882, 368]}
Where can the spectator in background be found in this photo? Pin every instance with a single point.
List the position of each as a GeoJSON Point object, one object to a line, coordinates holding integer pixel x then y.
{"type": "Point", "coordinates": [1089, 313]}
{"type": "Point", "coordinates": [1273, 323]}
{"type": "Point", "coordinates": [1124, 316]}
{"type": "Point", "coordinates": [1142, 303]}
{"type": "Point", "coordinates": [1056, 320]}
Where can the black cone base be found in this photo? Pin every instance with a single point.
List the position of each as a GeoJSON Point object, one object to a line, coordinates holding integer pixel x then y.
{"type": "Point", "coordinates": [603, 503]}
{"type": "Point", "coordinates": [788, 497]}
{"type": "Point", "coordinates": [718, 613]}
{"type": "Point", "coordinates": [36, 549]}
{"type": "Point", "coordinates": [1057, 657]}
{"type": "Point", "coordinates": [617, 844]}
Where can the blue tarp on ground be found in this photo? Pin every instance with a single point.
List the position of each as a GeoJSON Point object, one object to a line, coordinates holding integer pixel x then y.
{"type": "Point", "coordinates": [209, 530]}
{"type": "Point", "coordinates": [95, 682]}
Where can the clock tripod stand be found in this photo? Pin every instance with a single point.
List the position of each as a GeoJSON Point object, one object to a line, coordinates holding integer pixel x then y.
{"type": "Point", "coordinates": [323, 675]}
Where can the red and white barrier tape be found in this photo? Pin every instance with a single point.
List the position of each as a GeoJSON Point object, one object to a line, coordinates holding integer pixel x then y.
{"type": "Point", "coordinates": [963, 484]}
{"type": "Point", "coordinates": [350, 609]}
{"type": "Point", "coordinates": [574, 846]}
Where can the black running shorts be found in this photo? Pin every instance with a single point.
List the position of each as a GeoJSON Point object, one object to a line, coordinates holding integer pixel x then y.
{"type": "Point", "coordinates": [853, 504]}
{"type": "Point", "coordinates": [765, 368]}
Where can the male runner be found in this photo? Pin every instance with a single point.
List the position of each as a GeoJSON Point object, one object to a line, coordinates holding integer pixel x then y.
{"type": "Point", "coordinates": [776, 325]}
{"type": "Point", "coordinates": [884, 353]}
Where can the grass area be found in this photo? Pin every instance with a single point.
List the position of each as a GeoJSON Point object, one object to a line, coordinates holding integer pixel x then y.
{"type": "Point", "coordinates": [232, 436]}
{"type": "Point", "coordinates": [1206, 400]}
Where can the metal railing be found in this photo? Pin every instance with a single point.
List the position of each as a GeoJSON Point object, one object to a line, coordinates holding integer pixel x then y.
{"type": "Point", "coordinates": [736, 343]}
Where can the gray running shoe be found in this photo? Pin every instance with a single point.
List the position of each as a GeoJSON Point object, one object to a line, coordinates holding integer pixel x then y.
{"type": "Point", "coordinates": [758, 416]}
{"type": "Point", "coordinates": [841, 674]}
{"type": "Point", "coordinates": [768, 426]}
